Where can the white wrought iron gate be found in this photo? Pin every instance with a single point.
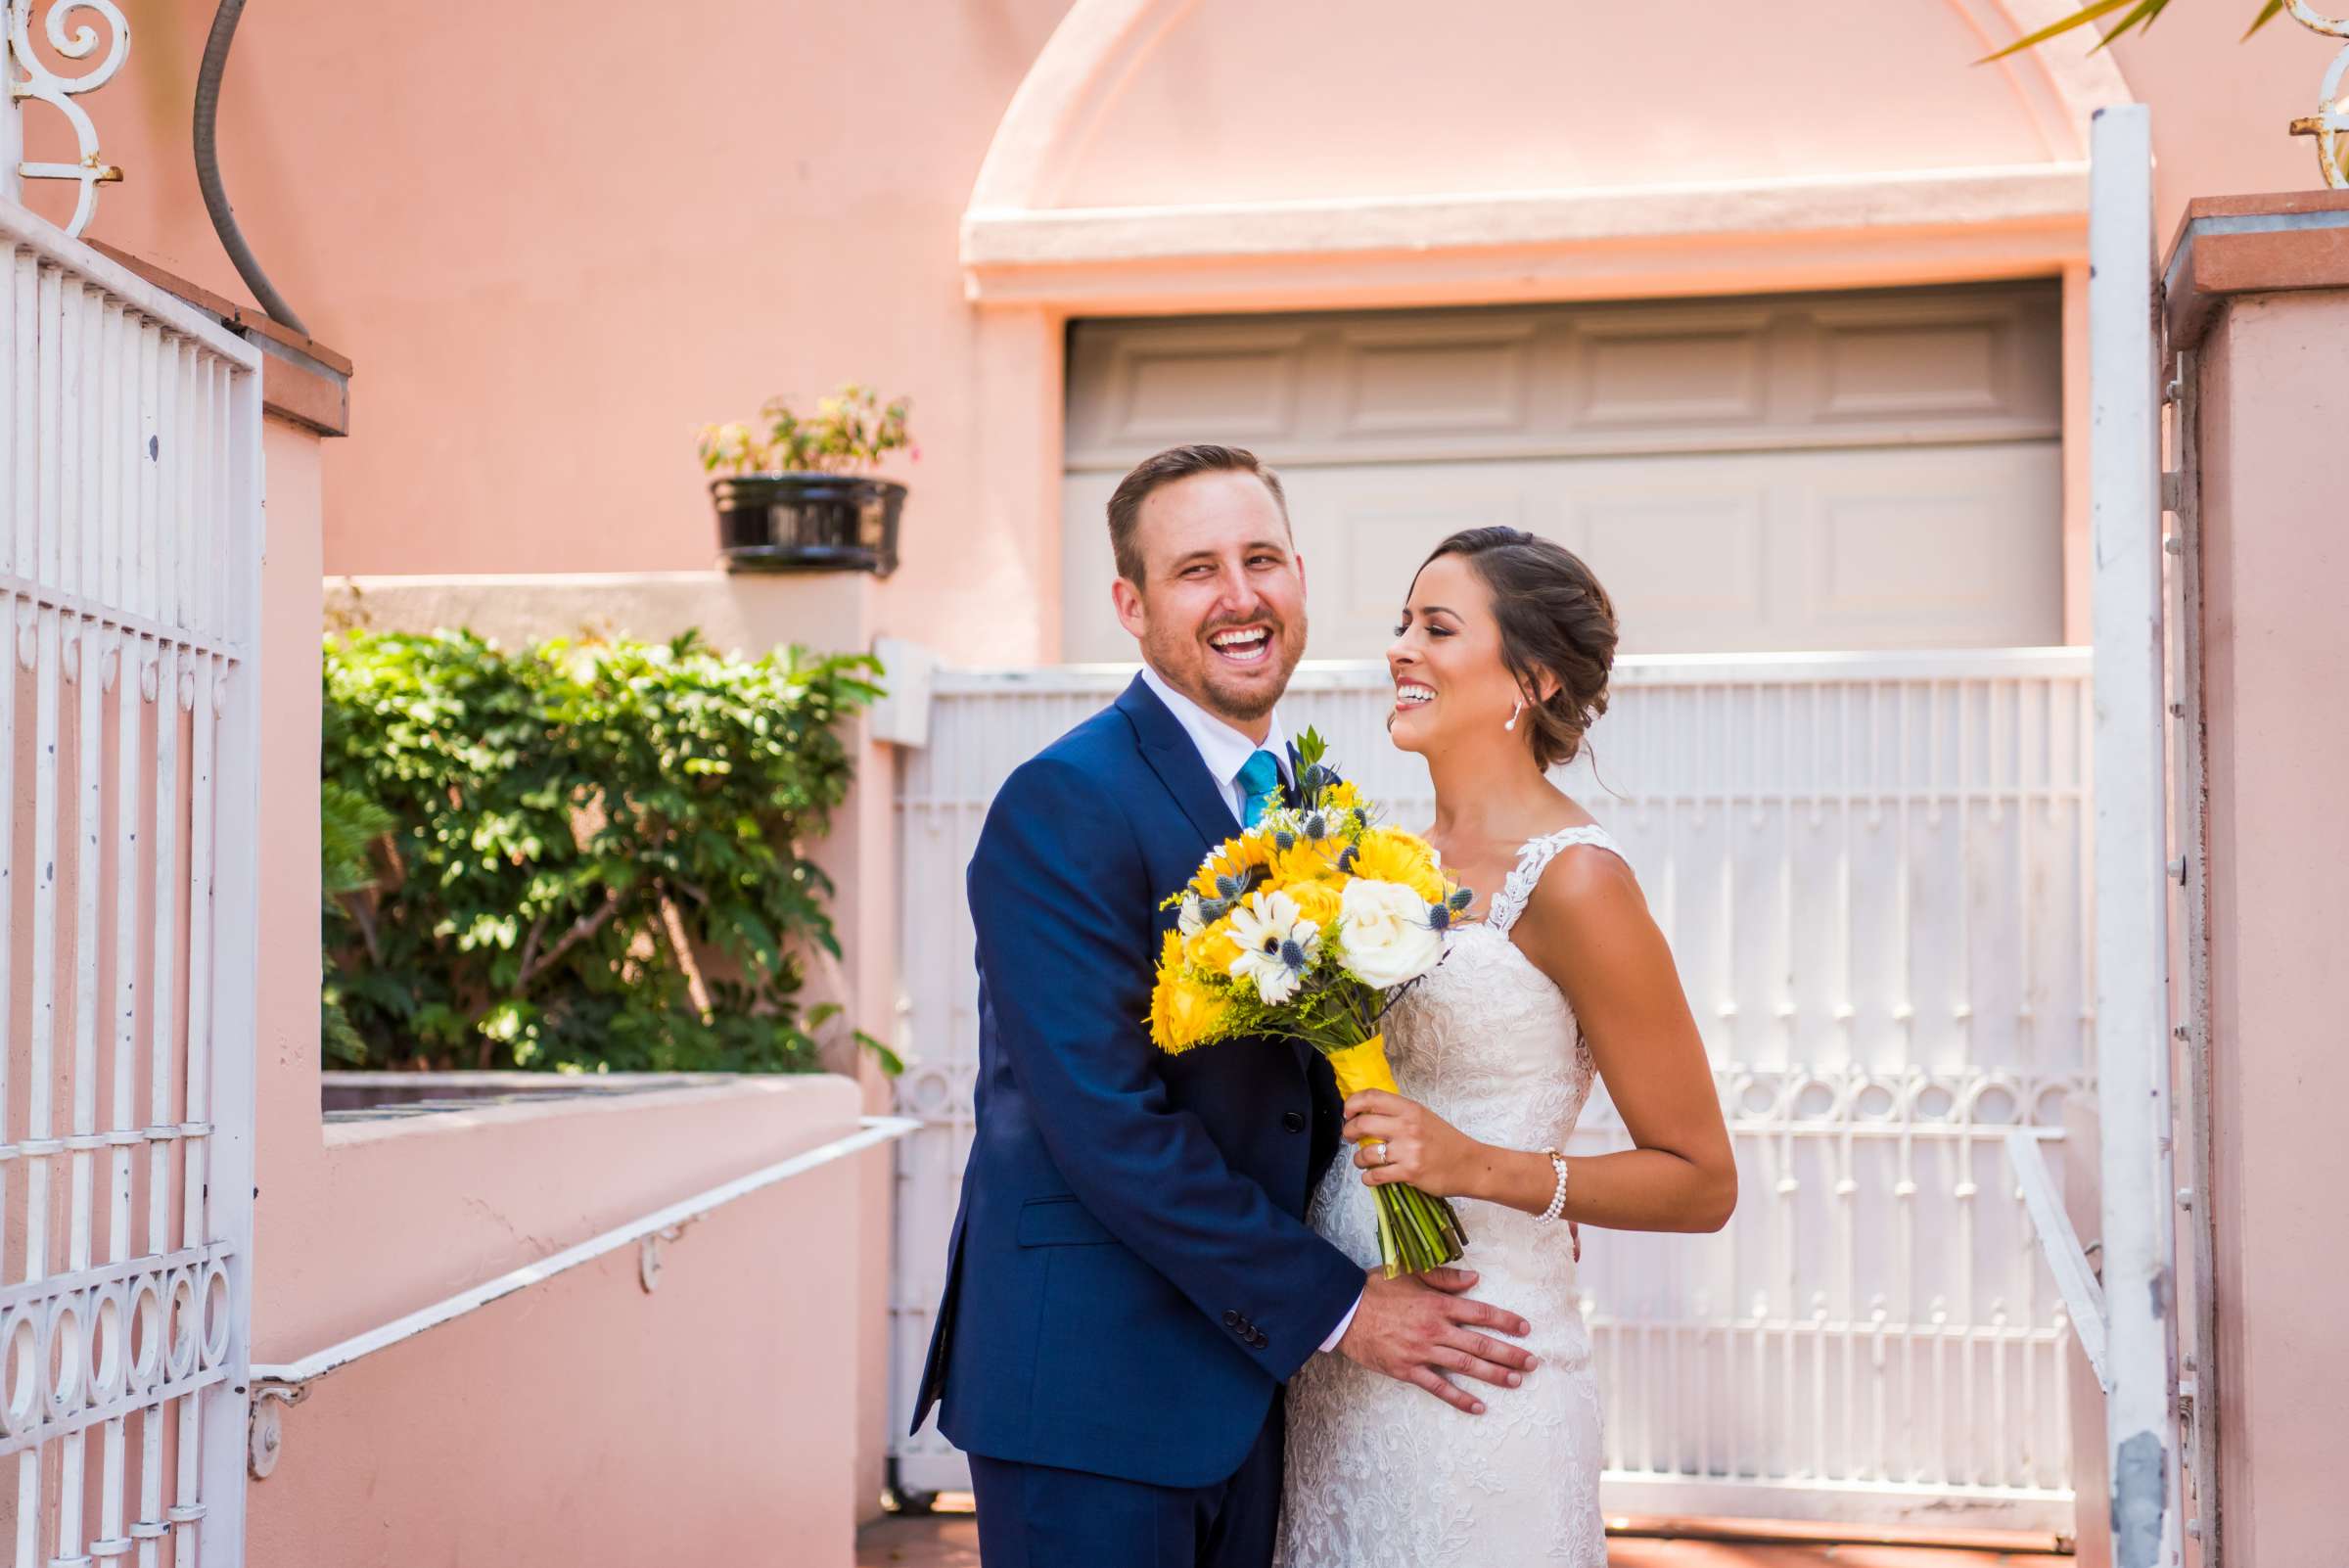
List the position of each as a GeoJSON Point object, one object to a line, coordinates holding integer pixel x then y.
{"type": "Point", "coordinates": [1874, 871]}
{"type": "Point", "coordinates": [130, 431]}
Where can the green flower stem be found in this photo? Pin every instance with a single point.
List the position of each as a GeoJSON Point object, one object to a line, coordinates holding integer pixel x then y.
{"type": "Point", "coordinates": [1388, 1255]}
{"type": "Point", "coordinates": [1416, 1233]}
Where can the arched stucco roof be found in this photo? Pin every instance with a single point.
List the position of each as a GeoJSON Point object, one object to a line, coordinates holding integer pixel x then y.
{"type": "Point", "coordinates": [1190, 129]}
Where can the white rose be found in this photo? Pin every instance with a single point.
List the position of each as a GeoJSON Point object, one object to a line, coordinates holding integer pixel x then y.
{"type": "Point", "coordinates": [1384, 936]}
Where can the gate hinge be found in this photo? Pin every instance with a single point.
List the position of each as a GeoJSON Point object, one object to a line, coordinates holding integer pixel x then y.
{"type": "Point", "coordinates": [2172, 488]}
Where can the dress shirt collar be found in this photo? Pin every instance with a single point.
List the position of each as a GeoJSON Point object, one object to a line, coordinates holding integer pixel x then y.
{"type": "Point", "coordinates": [1223, 749]}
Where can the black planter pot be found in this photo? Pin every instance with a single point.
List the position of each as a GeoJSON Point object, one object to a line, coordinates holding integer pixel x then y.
{"type": "Point", "coordinates": [807, 523]}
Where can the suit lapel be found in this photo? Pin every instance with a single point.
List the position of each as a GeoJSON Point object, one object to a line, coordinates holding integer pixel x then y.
{"type": "Point", "coordinates": [1176, 760]}
{"type": "Point", "coordinates": [1168, 751]}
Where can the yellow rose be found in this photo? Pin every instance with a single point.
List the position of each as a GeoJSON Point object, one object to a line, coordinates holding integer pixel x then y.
{"type": "Point", "coordinates": [1342, 795]}
{"type": "Point", "coordinates": [1317, 901]}
{"type": "Point", "coordinates": [1182, 1012]}
{"type": "Point", "coordinates": [1212, 948]}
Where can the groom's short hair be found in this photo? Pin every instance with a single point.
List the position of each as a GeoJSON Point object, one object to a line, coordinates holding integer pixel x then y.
{"type": "Point", "coordinates": [1165, 468]}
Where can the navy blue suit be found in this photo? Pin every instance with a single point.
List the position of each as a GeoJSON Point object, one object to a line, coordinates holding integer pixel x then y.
{"type": "Point", "coordinates": [1130, 1277]}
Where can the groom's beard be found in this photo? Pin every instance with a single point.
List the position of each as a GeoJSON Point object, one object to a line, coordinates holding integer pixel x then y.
{"type": "Point", "coordinates": [1247, 697]}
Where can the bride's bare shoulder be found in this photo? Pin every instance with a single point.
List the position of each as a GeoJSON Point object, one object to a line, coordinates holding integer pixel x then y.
{"type": "Point", "coordinates": [1585, 883]}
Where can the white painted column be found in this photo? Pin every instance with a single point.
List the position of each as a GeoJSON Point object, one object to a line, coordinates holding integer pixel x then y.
{"type": "Point", "coordinates": [2131, 944]}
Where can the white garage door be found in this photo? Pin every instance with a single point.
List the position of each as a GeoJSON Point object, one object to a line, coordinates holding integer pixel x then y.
{"type": "Point", "coordinates": [1876, 469]}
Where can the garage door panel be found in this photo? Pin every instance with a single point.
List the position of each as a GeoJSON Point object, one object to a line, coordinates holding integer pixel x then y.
{"type": "Point", "coordinates": [1688, 554]}
{"type": "Point", "coordinates": [1868, 368]}
{"type": "Point", "coordinates": [1940, 548]}
{"type": "Point", "coordinates": [1363, 531]}
{"type": "Point", "coordinates": [1868, 470]}
{"type": "Point", "coordinates": [1088, 626]}
{"type": "Point", "coordinates": [1671, 375]}
{"type": "Point", "coordinates": [1938, 357]}
{"type": "Point", "coordinates": [1148, 389]}
{"type": "Point", "coordinates": [1423, 376]}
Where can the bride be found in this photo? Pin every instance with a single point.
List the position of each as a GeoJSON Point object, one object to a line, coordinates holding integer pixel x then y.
{"type": "Point", "coordinates": [1499, 664]}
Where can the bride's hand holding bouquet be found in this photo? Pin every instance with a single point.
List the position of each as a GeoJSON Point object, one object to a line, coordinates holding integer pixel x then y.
{"type": "Point", "coordinates": [1399, 1139]}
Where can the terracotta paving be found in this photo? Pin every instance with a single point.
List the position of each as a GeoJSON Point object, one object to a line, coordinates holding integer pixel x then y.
{"type": "Point", "coordinates": [951, 1539]}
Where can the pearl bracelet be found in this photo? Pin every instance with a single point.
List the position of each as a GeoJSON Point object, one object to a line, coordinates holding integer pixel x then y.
{"type": "Point", "coordinates": [1558, 1199]}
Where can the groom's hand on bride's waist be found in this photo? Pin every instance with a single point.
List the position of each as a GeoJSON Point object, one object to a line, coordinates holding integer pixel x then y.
{"type": "Point", "coordinates": [1425, 1330]}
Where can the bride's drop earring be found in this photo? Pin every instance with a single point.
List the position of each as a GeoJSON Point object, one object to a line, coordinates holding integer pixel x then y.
{"type": "Point", "coordinates": [1513, 712]}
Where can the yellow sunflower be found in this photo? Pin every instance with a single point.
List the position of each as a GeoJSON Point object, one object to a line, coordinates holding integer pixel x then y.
{"type": "Point", "coordinates": [1386, 854]}
{"type": "Point", "coordinates": [1305, 861]}
{"type": "Point", "coordinates": [1232, 858]}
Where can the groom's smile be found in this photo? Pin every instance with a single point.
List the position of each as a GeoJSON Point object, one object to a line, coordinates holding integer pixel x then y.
{"type": "Point", "coordinates": [1242, 645]}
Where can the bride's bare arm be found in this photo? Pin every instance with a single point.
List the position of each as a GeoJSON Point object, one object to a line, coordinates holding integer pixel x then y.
{"type": "Point", "coordinates": [1588, 929]}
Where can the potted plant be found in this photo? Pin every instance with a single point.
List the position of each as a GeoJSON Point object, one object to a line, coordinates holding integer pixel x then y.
{"type": "Point", "coordinates": [800, 495]}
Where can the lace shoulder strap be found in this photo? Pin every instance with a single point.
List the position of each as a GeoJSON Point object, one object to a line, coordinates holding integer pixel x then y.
{"type": "Point", "coordinates": [1532, 861]}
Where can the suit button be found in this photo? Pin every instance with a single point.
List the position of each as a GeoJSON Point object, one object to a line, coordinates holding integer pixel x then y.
{"type": "Point", "coordinates": [1231, 1320]}
{"type": "Point", "coordinates": [1293, 1121]}
{"type": "Point", "coordinates": [1259, 1340]}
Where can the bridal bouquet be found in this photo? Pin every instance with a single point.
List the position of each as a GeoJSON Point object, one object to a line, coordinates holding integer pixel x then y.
{"type": "Point", "coordinates": [1307, 926]}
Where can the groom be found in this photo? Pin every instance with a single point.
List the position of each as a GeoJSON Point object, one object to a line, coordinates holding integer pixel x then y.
{"type": "Point", "coordinates": [1132, 1279]}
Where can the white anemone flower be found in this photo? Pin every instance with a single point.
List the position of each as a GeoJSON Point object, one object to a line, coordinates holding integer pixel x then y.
{"type": "Point", "coordinates": [1192, 920]}
{"type": "Point", "coordinates": [1277, 945]}
{"type": "Point", "coordinates": [1385, 936]}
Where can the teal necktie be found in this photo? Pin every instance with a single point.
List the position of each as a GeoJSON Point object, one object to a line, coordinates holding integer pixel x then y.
{"type": "Point", "coordinates": [1259, 776]}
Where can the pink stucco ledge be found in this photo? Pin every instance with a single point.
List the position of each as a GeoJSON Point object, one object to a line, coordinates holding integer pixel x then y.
{"type": "Point", "coordinates": [586, 1419]}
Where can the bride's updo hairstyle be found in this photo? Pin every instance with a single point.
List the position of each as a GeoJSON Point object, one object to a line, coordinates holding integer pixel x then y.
{"type": "Point", "coordinates": [1555, 619]}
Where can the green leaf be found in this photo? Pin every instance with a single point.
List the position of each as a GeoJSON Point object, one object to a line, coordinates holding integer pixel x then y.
{"type": "Point", "coordinates": [2266, 14]}
{"type": "Point", "coordinates": [890, 1063]}
{"type": "Point", "coordinates": [2078, 18]}
{"type": "Point", "coordinates": [2141, 17]}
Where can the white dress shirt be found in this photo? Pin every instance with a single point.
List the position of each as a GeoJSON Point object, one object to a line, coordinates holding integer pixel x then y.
{"type": "Point", "coordinates": [1226, 751]}
{"type": "Point", "coordinates": [1223, 749]}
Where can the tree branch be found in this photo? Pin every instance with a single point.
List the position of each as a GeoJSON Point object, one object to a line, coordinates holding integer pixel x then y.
{"type": "Point", "coordinates": [581, 929]}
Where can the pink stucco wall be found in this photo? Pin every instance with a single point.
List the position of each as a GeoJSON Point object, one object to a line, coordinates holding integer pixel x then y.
{"type": "Point", "coordinates": [2276, 644]}
{"type": "Point", "coordinates": [554, 243]}
{"type": "Point", "coordinates": [583, 1422]}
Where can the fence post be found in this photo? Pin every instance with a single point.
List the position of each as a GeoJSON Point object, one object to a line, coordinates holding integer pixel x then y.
{"type": "Point", "coordinates": [2133, 1054]}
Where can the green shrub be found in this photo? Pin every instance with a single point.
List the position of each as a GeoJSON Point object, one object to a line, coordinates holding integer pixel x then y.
{"type": "Point", "coordinates": [579, 857]}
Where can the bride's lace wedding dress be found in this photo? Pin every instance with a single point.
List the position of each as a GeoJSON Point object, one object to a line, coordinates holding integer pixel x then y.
{"type": "Point", "coordinates": [1382, 1474]}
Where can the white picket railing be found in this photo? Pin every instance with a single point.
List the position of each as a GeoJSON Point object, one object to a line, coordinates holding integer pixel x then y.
{"type": "Point", "coordinates": [130, 587]}
{"type": "Point", "coordinates": [1872, 871]}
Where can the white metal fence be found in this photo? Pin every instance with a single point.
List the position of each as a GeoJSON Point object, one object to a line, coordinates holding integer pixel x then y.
{"type": "Point", "coordinates": [130, 446]}
{"type": "Point", "coordinates": [1872, 871]}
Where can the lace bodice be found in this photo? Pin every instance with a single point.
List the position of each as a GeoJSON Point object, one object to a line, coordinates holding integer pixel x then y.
{"type": "Point", "coordinates": [1381, 1473]}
